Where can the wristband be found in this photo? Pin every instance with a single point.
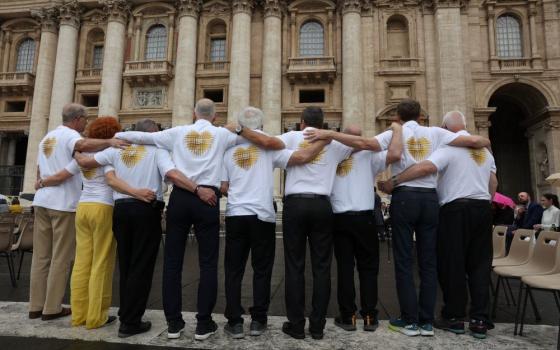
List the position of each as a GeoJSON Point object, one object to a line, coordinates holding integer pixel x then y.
{"type": "Point", "coordinates": [394, 181]}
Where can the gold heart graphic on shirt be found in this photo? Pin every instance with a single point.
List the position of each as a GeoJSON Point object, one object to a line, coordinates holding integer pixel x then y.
{"type": "Point", "coordinates": [48, 146]}
{"type": "Point", "coordinates": [418, 148]}
{"type": "Point", "coordinates": [245, 158]}
{"type": "Point", "coordinates": [478, 155]}
{"type": "Point", "coordinates": [88, 173]}
{"type": "Point", "coordinates": [345, 167]}
{"type": "Point", "coordinates": [132, 155]}
{"type": "Point", "coordinates": [198, 143]}
{"type": "Point", "coordinates": [304, 144]}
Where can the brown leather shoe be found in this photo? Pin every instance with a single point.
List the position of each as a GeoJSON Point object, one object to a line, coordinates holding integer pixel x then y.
{"type": "Point", "coordinates": [66, 311]}
{"type": "Point", "coordinates": [35, 314]}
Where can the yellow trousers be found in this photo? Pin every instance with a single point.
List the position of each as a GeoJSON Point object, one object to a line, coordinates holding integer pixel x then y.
{"type": "Point", "coordinates": [92, 276]}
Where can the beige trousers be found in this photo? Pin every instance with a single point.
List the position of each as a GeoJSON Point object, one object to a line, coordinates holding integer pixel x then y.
{"type": "Point", "coordinates": [54, 244]}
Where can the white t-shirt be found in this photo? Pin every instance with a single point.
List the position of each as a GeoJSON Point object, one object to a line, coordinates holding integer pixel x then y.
{"type": "Point", "coordinates": [249, 170]}
{"type": "Point", "coordinates": [198, 149]}
{"type": "Point", "coordinates": [463, 172]}
{"type": "Point", "coordinates": [317, 176]}
{"type": "Point", "coordinates": [353, 188]}
{"type": "Point", "coordinates": [141, 166]}
{"type": "Point", "coordinates": [419, 143]}
{"type": "Point", "coordinates": [55, 154]}
{"type": "Point", "coordinates": [96, 189]}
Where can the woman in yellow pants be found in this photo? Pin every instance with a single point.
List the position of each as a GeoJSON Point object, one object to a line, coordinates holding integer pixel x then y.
{"type": "Point", "coordinates": [92, 276]}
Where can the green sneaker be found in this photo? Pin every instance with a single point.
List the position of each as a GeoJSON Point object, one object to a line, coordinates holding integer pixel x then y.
{"type": "Point", "coordinates": [408, 329]}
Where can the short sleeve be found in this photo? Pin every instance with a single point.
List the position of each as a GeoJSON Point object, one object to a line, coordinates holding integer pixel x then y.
{"type": "Point", "coordinates": [442, 137]}
{"type": "Point", "coordinates": [384, 139]}
{"type": "Point", "coordinates": [281, 158]}
{"type": "Point", "coordinates": [163, 139]}
{"type": "Point", "coordinates": [287, 138]}
{"type": "Point", "coordinates": [73, 139]}
{"type": "Point", "coordinates": [73, 167]}
{"type": "Point", "coordinates": [379, 162]}
{"type": "Point", "coordinates": [225, 175]}
{"type": "Point", "coordinates": [492, 162]}
{"type": "Point", "coordinates": [231, 139]}
{"type": "Point", "coordinates": [341, 151]}
{"type": "Point", "coordinates": [108, 169]}
{"type": "Point", "coordinates": [105, 157]}
{"type": "Point", "coordinates": [164, 161]}
{"type": "Point", "coordinates": [440, 158]}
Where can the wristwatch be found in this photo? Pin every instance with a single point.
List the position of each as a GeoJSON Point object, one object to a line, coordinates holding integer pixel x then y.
{"type": "Point", "coordinates": [394, 181]}
{"type": "Point", "coordinates": [239, 129]}
{"type": "Point", "coordinates": [41, 184]}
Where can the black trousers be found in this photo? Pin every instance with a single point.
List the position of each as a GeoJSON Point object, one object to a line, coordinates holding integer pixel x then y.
{"type": "Point", "coordinates": [184, 210]}
{"type": "Point", "coordinates": [356, 243]}
{"type": "Point", "coordinates": [246, 234]}
{"type": "Point", "coordinates": [137, 230]}
{"type": "Point", "coordinates": [465, 257]}
{"type": "Point", "coordinates": [307, 219]}
{"type": "Point", "coordinates": [415, 213]}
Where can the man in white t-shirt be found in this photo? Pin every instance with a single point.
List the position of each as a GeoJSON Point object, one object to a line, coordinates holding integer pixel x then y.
{"type": "Point", "coordinates": [414, 213]}
{"type": "Point", "coordinates": [247, 178]}
{"type": "Point", "coordinates": [198, 151]}
{"type": "Point", "coordinates": [356, 242]}
{"type": "Point", "coordinates": [55, 202]}
{"type": "Point", "coordinates": [466, 184]}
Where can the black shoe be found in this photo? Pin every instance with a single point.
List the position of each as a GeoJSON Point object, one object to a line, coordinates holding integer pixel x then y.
{"type": "Point", "coordinates": [317, 335]}
{"type": "Point", "coordinates": [478, 329]}
{"type": "Point", "coordinates": [290, 330]}
{"type": "Point", "coordinates": [205, 329]}
{"type": "Point", "coordinates": [110, 320]}
{"type": "Point", "coordinates": [127, 331]}
{"type": "Point", "coordinates": [174, 329]}
{"type": "Point", "coordinates": [370, 323]}
{"type": "Point", "coordinates": [257, 328]}
{"type": "Point", "coordinates": [452, 325]}
{"type": "Point", "coordinates": [235, 330]}
{"type": "Point", "coordinates": [348, 324]}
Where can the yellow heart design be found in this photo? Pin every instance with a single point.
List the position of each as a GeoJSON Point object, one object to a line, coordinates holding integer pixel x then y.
{"type": "Point", "coordinates": [245, 158]}
{"type": "Point", "coordinates": [132, 155]}
{"type": "Point", "coordinates": [304, 144]}
{"type": "Point", "coordinates": [478, 155]}
{"type": "Point", "coordinates": [345, 167]}
{"type": "Point", "coordinates": [418, 148]}
{"type": "Point", "coordinates": [48, 146]}
{"type": "Point", "coordinates": [88, 173]}
{"type": "Point", "coordinates": [198, 143]}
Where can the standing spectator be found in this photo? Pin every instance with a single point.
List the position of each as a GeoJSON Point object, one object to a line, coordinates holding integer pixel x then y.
{"type": "Point", "coordinates": [551, 213]}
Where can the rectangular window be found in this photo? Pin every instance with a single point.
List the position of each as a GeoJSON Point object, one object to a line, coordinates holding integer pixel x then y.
{"type": "Point", "coordinates": [216, 95]}
{"type": "Point", "coordinates": [15, 106]}
{"type": "Point", "coordinates": [90, 100]}
{"type": "Point", "coordinates": [97, 59]}
{"type": "Point", "coordinates": [311, 96]}
{"type": "Point", "coordinates": [217, 50]}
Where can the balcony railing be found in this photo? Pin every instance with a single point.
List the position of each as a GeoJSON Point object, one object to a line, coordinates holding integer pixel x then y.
{"type": "Point", "coordinates": [311, 68]}
{"type": "Point", "coordinates": [17, 83]}
{"type": "Point", "coordinates": [89, 75]}
{"type": "Point", "coordinates": [142, 72]}
{"type": "Point", "coordinates": [508, 65]}
{"type": "Point", "coordinates": [515, 63]}
{"type": "Point", "coordinates": [212, 68]}
{"type": "Point", "coordinates": [400, 65]}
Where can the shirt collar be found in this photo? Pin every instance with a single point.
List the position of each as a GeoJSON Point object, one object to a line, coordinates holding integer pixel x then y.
{"type": "Point", "coordinates": [463, 132]}
{"type": "Point", "coordinates": [202, 121]}
{"type": "Point", "coordinates": [411, 124]}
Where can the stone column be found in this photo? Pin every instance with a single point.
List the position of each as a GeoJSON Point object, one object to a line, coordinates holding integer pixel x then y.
{"type": "Point", "coordinates": [239, 70]}
{"type": "Point", "coordinates": [170, 37]}
{"type": "Point", "coordinates": [66, 56]}
{"type": "Point", "coordinates": [482, 120]}
{"type": "Point", "coordinates": [368, 72]}
{"type": "Point", "coordinates": [11, 152]}
{"type": "Point", "coordinates": [185, 65]}
{"type": "Point", "coordinates": [137, 36]}
{"type": "Point", "coordinates": [492, 37]}
{"type": "Point", "coordinates": [451, 79]}
{"type": "Point", "coordinates": [352, 74]}
{"type": "Point", "coordinates": [41, 93]}
{"type": "Point", "coordinates": [113, 58]}
{"type": "Point", "coordinates": [7, 49]}
{"type": "Point", "coordinates": [535, 57]}
{"type": "Point", "coordinates": [552, 140]}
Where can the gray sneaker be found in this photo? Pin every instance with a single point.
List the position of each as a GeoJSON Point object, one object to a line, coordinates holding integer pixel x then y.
{"type": "Point", "coordinates": [257, 328]}
{"type": "Point", "coordinates": [235, 331]}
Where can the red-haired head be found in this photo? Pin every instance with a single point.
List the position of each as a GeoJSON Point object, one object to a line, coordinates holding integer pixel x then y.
{"type": "Point", "coordinates": [103, 128]}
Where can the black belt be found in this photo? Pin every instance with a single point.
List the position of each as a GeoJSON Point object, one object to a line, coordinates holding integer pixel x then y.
{"type": "Point", "coordinates": [213, 188]}
{"type": "Point", "coordinates": [307, 196]}
{"type": "Point", "coordinates": [468, 201]}
{"type": "Point", "coordinates": [357, 213]}
{"type": "Point", "coordinates": [155, 203]}
{"type": "Point", "coordinates": [414, 189]}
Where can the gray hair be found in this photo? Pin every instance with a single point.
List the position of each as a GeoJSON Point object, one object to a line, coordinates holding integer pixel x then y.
{"type": "Point", "coordinates": [73, 111]}
{"type": "Point", "coordinates": [146, 125]}
{"type": "Point", "coordinates": [204, 109]}
{"type": "Point", "coordinates": [454, 119]}
{"type": "Point", "coordinates": [251, 118]}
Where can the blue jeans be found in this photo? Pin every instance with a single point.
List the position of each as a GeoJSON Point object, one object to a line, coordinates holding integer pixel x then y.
{"type": "Point", "coordinates": [415, 212]}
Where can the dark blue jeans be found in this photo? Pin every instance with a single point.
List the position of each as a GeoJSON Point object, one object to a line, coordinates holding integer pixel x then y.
{"type": "Point", "coordinates": [415, 213]}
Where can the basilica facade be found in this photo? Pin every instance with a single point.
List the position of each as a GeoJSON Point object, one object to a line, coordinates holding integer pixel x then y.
{"type": "Point", "coordinates": [498, 61]}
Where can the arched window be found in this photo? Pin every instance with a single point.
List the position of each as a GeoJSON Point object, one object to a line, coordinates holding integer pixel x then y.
{"type": "Point", "coordinates": [217, 33]}
{"type": "Point", "coordinates": [397, 37]}
{"type": "Point", "coordinates": [311, 39]}
{"type": "Point", "coordinates": [156, 43]}
{"type": "Point", "coordinates": [25, 56]}
{"type": "Point", "coordinates": [508, 37]}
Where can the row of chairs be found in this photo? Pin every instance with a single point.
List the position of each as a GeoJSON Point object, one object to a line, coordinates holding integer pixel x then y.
{"type": "Point", "coordinates": [535, 262]}
{"type": "Point", "coordinates": [16, 237]}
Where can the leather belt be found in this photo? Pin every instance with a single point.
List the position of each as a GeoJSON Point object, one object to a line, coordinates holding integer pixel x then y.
{"type": "Point", "coordinates": [154, 204]}
{"type": "Point", "coordinates": [414, 189]}
{"type": "Point", "coordinates": [468, 201]}
{"type": "Point", "coordinates": [356, 213]}
{"type": "Point", "coordinates": [307, 196]}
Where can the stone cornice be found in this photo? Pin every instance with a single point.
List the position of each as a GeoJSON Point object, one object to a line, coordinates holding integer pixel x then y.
{"type": "Point", "coordinates": [189, 8]}
{"type": "Point", "coordinates": [438, 4]}
{"type": "Point", "coordinates": [47, 17]}
{"type": "Point", "coordinates": [274, 8]}
{"type": "Point", "coordinates": [70, 12]}
{"type": "Point", "coordinates": [117, 10]}
{"type": "Point", "coordinates": [242, 6]}
{"type": "Point", "coordinates": [348, 6]}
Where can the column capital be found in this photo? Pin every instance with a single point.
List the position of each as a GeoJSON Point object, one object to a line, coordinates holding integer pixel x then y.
{"type": "Point", "coordinates": [242, 6]}
{"type": "Point", "coordinates": [274, 8]}
{"type": "Point", "coordinates": [348, 6]}
{"type": "Point", "coordinates": [70, 12]}
{"type": "Point", "coordinates": [189, 8]}
{"type": "Point", "coordinates": [117, 10]}
{"type": "Point", "coordinates": [47, 17]}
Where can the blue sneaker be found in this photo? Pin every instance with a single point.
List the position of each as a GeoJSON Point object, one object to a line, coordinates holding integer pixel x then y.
{"type": "Point", "coordinates": [408, 329]}
{"type": "Point", "coordinates": [426, 330]}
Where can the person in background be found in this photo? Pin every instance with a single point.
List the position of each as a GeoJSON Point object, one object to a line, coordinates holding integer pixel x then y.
{"type": "Point", "coordinates": [528, 215]}
{"type": "Point", "coordinates": [502, 214]}
{"type": "Point", "coordinates": [4, 208]}
{"type": "Point", "coordinates": [378, 217]}
{"type": "Point", "coordinates": [15, 207]}
{"type": "Point", "coordinates": [551, 214]}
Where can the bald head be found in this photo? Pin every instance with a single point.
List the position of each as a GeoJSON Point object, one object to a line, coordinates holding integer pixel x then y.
{"type": "Point", "coordinates": [204, 109]}
{"type": "Point", "coordinates": [353, 130]}
{"type": "Point", "coordinates": [454, 121]}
